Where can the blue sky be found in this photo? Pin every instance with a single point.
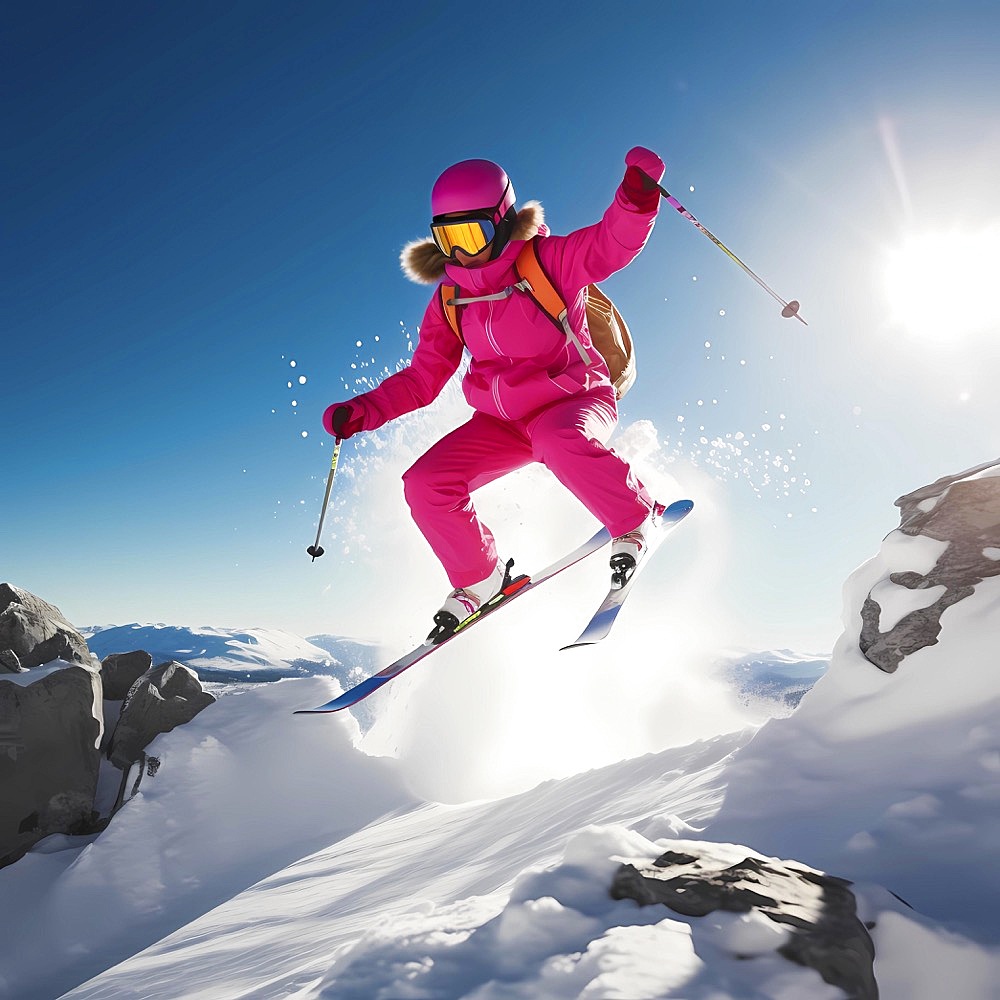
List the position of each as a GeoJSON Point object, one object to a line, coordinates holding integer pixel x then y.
{"type": "Point", "coordinates": [195, 195]}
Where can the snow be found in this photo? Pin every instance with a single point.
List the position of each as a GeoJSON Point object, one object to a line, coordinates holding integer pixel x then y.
{"type": "Point", "coordinates": [424, 867]}
{"type": "Point", "coordinates": [26, 677]}
{"type": "Point", "coordinates": [916, 959]}
{"type": "Point", "coordinates": [909, 758]}
{"type": "Point", "coordinates": [402, 854]}
{"type": "Point", "coordinates": [243, 790]}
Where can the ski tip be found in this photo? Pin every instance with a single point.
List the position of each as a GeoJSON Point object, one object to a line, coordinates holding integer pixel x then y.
{"type": "Point", "coordinates": [679, 508]}
{"type": "Point", "coordinates": [574, 645]}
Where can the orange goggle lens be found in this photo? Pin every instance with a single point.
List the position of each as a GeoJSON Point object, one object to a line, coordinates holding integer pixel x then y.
{"type": "Point", "coordinates": [470, 235]}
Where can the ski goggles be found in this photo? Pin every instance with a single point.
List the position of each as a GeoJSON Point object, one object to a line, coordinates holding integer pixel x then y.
{"type": "Point", "coordinates": [470, 233]}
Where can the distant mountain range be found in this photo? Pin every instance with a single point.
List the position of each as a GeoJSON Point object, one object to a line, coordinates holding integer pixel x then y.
{"type": "Point", "coordinates": [775, 675]}
{"type": "Point", "coordinates": [253, 654]}
{"type": "Point", "coordinates": [258, 655]}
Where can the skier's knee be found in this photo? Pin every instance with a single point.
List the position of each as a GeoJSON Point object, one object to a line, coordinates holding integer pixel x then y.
{"type": "Point", "coordinates": [564, 443]}
{"type": "Point", "coordinates": [423, 486]}
{"type": "Point", "coordinates": [416, 483]}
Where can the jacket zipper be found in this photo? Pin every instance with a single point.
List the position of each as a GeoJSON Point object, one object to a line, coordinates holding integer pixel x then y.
{"type": "Point", "coordinates": [496, 347]}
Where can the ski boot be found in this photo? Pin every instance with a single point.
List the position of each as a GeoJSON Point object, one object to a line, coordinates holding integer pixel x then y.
{"type": "Point", "coordinates": [463, 602]}
{"type": "Point", "coordinates": [628, 550]}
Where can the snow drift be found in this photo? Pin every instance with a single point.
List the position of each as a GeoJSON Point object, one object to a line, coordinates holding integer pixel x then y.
{"type": "Point", "coordinates": [895, 777]}
{"type": "Point", "coordinates": [330, 880]}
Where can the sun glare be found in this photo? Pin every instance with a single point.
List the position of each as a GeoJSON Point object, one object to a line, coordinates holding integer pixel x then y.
{"type": "Point", "coordinates": [940, 285]}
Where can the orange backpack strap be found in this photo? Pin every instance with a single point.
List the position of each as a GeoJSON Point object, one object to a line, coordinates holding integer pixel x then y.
{"type": "Point", "coordinates": [541, 289]}
{"type": "Point", "coordinates": [448, 296]}
{"type": "Point", "coordinates": [543, 292]}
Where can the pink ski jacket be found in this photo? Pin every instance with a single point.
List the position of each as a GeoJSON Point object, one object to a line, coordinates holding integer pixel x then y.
{"type": "Point", "coordinates": [521, 361]}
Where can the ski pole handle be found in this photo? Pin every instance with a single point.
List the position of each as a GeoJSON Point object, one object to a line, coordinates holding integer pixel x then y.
{"type": "Point", "coordinates": [316, 550]}
{"type": "Point", "coordinates": [788, 310]}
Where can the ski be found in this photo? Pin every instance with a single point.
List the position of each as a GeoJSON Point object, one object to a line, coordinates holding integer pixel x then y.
{"type": "Point", "coordinates": [604, 618]}
{"type": "Point", "coordinates": [521, 585]}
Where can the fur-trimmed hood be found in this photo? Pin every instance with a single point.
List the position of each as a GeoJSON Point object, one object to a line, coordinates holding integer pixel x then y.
{"type": "Point", "coordinates": [423, 263]}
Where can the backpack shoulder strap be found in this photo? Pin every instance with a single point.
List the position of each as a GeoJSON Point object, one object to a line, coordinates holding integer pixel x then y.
{"type": "Point", "coordinates": [544, 294]}
{"type": "Point", "coordinates": [541, 289]}
{"type": "Point", "coordinates": [448, 295]}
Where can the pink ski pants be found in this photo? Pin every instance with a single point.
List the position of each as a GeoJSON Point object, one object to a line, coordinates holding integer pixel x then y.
{"type": "Point", "coordinates": [567, 437]}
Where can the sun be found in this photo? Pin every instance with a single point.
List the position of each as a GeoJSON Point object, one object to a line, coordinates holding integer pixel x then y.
{"type": "Point", "coordinates": [942, 285]}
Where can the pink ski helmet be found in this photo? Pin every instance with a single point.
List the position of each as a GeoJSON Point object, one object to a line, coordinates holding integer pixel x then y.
{"type": "Point", "coordinates": [472, 207]}
{"type": "Point", "coordinates": [473, 186]}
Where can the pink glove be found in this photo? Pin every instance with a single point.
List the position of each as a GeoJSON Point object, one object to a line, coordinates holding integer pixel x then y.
{"type": "Point", "coordinates": [643, 171]}
{"type": "Point", "coordinates": [647, 161]}
{"type": "Point", "coordinates": [341, 421]}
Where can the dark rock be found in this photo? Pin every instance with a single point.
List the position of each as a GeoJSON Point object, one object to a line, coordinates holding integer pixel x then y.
{"type": "Point", "coordinates": [9, 663]}
{"type": "Point", "coordinates": [818, 911]}
{"type": "Point", "coordinates": [120, 671]}
{"type": "Point", "coordinates": [164, 697]}
{"type": "Point", "coordinates": [36, 631]}
{"type": "Point", "coordinates": [49, 759]}
{"type": "Point", "coordinates": [966, 515]}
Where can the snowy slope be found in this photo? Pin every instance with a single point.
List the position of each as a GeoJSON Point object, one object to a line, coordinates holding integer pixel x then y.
{"type": "Point", "coordinates": [893, 777]}
{"type": "Point", "coordinates": [416, 864]}
{"type": "Point", "coordinates": [274, 856]}
{"type": "Point", "coordinates": [242, 791]}
{"type": "Point", "coordinates": [489, 900]}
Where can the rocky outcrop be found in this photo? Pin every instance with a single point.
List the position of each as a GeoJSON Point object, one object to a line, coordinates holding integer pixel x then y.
{"type": "Point", "coordinates": [120, 671]}
{"type": "Point", "coordinates": [36, 632]}
{"type": "Point", "coordinates": [52, 717]}
{"type": "Point", "coordinates": [9, 663]}
{"type": "Point", "coordinates": [815, 914]}
{"type": "Point", "coordinates": [50, 730]}
{"type": "Point", "coordinates": [164, 697]}
{"type": "Point", "coordinates": [964, 512]}
{"type": "Point", "coordinates": [50, 724]}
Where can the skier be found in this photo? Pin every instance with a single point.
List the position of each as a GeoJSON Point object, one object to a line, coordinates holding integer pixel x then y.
{"type": "Point", "coordinates": [538, 395]}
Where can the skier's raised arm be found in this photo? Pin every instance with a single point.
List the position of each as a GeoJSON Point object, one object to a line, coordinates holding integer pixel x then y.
{"type": "Point", "coordinates": [434, 361]}
{"type": "Point", "coordinates": [595, 252]}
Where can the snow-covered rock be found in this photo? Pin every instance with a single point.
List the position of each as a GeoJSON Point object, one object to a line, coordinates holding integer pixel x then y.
{"type": "Point", "coordinates": [759, 930]}
{"type": "Point", "coordinates": [165, 697]}
{"type": "Point", "coordinates": [902, 614]}
{"type": "Point", "coordinates": [50, 724]}
{"type": "Point", "coordinates": [806, 916]}
{"type": "Point", "coordinates": [35, 632]}
{"type": "Point", "coordinates": [50, 730]}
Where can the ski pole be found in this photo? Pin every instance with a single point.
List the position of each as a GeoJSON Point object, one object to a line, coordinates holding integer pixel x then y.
{"type": "Point", "coordinates": [789, 309]}
{"type": "Point", "coordinates": [316, 550]}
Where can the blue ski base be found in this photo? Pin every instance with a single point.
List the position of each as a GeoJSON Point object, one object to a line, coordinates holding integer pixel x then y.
{"type": "Point", "coordinates": [604, 618]}
{"type": "Point", "coordinates": [599, 627]}
{"type": "Point", "coordinates": [517, 588]}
